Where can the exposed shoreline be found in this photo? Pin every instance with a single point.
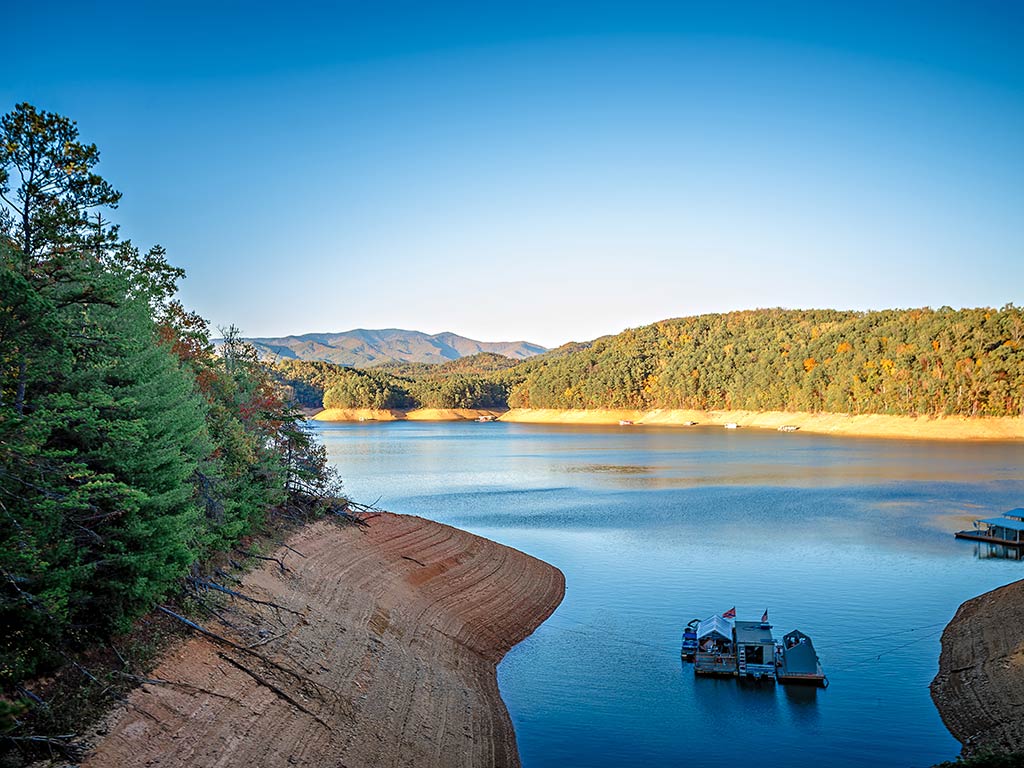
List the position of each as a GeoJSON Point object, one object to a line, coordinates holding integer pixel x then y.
{"type": "Point", "coordinates": [979, 689]}
{"type": "Point", "coordinates": [868, 425]}
{"type": "Point", "coordinates": [383, 653]}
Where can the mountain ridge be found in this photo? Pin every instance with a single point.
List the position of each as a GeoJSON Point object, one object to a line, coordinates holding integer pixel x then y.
{"type": "Point", "coordinates": [367, 347]}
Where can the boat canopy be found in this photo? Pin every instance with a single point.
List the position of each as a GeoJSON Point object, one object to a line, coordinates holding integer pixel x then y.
{"type": "Point", "coordinates": [714, 626]}
{"type": "Point", "coordinates": [1017, 513]}
{"type": "Point", "coordinates": [754, 632]}
{"type": "Point", "coordinates": [1005, 522]}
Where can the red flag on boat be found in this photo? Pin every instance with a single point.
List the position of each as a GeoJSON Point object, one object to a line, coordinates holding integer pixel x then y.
{"type": "Point", "coordinates": [764, 619]}
{"type": "Point", "coordinates": [730, 614]}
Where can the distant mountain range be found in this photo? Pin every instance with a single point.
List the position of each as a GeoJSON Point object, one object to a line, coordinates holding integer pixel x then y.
{"type": "Point", "coordinates": [361, 348]}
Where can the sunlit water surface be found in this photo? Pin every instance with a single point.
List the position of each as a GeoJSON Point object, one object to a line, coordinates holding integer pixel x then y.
{"type": "Point", "coordinates": [849, 540]}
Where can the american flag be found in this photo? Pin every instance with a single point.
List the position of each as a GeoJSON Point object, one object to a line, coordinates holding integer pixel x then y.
{"type": "Point", "coordinates": [764, 619]}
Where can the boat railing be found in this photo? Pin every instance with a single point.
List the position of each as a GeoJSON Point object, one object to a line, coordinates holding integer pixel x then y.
{"type": "Point", "coordinates": [715, 662]}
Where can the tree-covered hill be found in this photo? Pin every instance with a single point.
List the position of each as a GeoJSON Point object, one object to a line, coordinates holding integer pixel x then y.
{"type": "Point", "coordinates": [968, 362]}
{"type": "Point", "coordinates": [906, 362]}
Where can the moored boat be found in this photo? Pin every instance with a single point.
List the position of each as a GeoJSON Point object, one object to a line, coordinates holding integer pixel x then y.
{"type": "Point", "coordinates": [797, 662]}
{"type": "Point", "coordinates": [689, 649]}
{"type": "Point", "coordinates": [1007, 530]}
{"type": "Point", "coordinates": [716, 654]}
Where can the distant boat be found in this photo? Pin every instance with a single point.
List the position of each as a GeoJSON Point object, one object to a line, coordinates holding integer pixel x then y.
{"type": "Point", "coordinates": [625, 423]}
{"type": "Point", "coordinates": [1007, 530]}
{"type": "Point", "coordinates": [788, 428]}
{"type": "Point", "coordinates": [486, 418]}
{"type": "Point", "coordinates": [689, 423]}
{"type": "Point", "coordinates": [732, 425]}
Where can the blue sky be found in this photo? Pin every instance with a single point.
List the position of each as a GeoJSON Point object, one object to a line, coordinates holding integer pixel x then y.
{"type": "Point", "coordinates": [552, 171]}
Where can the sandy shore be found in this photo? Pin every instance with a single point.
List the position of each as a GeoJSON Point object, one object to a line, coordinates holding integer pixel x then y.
{"type": "Point", "coordinates": [951, 428]}
{"type": "Point", "coordinates": [382, 653]}
{"type": "Point", "coordinates": [979, 689]}
{"type": "Point", "coordinates": [420, 414]}
{"type": "Point", "coordinates": [872, 425]}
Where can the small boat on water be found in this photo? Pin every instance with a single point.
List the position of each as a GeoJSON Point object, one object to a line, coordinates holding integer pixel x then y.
{"type": "Point", "coordinates": [486, 418]}
{"type": "Point", "coordinates": [732, 425]}
{"type": "Point", "coordinates": [796, 661]}
{"type": "Point", "coordinates": [721, 646]}
{"type": "Point", "coordinates": [690, 641]}
{"type": "Point", "coordinates": [788, 428]}
{"type": "Point", "coordinates": [625, 423]}
{"type": "Point", "coordinates": [1007, 530]}
{"type": "Point", "coordinates": [689, 423]}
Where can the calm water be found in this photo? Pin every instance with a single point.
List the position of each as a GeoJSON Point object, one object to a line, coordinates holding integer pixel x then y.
{"type": "Point", "coordinates": [846, 539]}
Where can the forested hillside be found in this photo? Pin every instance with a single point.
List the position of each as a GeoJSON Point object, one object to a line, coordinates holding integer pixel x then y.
{"type": "Point", "coordinates": [468, 382]}
{"type": "Point", "coordinates": [129, 450]}
{"type": "Point", "coordinates": [911, 362]}
{"type": "Point", "coordinates": [904, 362]}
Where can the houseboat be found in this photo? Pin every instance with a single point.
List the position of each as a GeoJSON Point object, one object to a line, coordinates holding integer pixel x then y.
{"type": "Point", "coordinates": [625, 423]}
{"type": "Point", "coordinates": [1007, 530]}
{"type": "Point", "coordinates": [487, 417]}
{"type": "Point", "coordinates": [755, 649]}
{"type": "Point", "coordinates": [715, 651]}
{"type": "Point", "coordinates": [732, 425]}
{"type": "Point", "coordinates": [723, 647]}
{"type": "Point", "coordinates": [797, 661]}
{"type": "Point", "coordinates": [788, 428]}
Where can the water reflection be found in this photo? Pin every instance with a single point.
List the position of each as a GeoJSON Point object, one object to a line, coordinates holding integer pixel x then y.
{"type": "Point", "coordinates": [984, 550]}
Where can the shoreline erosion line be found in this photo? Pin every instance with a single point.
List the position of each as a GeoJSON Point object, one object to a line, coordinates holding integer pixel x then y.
{"type": "Point", "coordinates": [389, 658]}
{"type": "Point", "coordinates": [863, 425]}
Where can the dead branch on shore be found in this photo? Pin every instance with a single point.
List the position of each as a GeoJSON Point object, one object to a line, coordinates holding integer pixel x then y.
{"type": "Point", "coordinates": [201, 630]}
{"type": "Point", "coordinates": [207, 584]}
{"type": "Point", "coordinates": [276, 690]}
{"type": "Point", "coordinates": [292, 549]}
{"type": "Point", "coordinates": [65, 745]}
{"type": "Point", "coordinates": [280, 563]}
{"type": "Point", "coordinates": [243, 649]}
{"type": "Point", "coordinates": [226, 576]}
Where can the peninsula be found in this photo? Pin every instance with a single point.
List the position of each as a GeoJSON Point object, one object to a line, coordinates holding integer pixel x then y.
{"type": "Point", "coordinates": [382, 652]}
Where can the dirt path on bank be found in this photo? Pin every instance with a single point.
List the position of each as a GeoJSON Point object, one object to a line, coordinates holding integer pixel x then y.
{"type": "Point", "coordinates": [979, 689]}
{"type": "Point", "coordinates": [382, 653]}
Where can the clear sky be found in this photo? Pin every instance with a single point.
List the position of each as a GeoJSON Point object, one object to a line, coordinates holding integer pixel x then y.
{"type": "Point", "coordinates": [547, 171]}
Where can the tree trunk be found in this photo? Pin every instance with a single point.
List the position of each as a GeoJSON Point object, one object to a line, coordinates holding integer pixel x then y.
{"type": "Point", "coordinates": [19, 397]}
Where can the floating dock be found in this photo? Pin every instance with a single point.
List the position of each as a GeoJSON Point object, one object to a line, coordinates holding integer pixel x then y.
{"type": "Point", "coordinates": [747, 649]}
{"type": "Point", "coordinates": [1007, 530]}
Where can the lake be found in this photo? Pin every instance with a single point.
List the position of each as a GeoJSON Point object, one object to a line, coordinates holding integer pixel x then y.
{"type": "Point", "coordinates": [847, 539]}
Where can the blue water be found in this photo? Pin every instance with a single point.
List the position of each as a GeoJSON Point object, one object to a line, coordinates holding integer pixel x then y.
{"type": "Point", "coordinates": [847, 539]}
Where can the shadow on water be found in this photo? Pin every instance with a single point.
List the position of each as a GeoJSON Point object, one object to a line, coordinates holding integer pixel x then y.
{"type": "Point", "coordinates": [803, 698]}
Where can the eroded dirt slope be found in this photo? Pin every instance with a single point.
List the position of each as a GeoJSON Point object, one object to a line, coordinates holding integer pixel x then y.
{"type": "Point", "coordinates": [979, 689]}
{"type": "Point", "coordinates": [382, 653]}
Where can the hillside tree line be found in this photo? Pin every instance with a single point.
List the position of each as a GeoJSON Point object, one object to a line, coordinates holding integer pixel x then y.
{"type": "Point", "coordinates": [129, 449]}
